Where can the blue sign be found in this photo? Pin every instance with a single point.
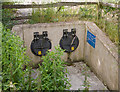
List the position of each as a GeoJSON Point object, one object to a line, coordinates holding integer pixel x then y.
{"type": "Point", "coordinates": [91, 38]}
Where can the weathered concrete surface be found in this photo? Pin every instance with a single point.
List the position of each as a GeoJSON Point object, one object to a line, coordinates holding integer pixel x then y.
{"type": "Point", "coordinates": [76, 77]}
{"type": "Point", "coordinates": [55, 32]}
{"type": "Point", "coordinates": [103, 59]}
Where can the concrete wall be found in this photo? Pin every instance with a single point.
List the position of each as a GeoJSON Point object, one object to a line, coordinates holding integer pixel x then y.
{"type": "Point", "coordinates": [55, 32]}
{"type": "Point", "coordinates": [103, 59]}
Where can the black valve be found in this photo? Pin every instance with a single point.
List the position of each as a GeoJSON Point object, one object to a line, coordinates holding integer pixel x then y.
{"type": "Point", "coordinates": [69, 41]}
{"type": "Point", "coordinates": [40, 44]}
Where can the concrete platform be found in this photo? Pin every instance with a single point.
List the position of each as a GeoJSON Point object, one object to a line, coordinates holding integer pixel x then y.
{"type": "Point", "coordinates": [77, 78]}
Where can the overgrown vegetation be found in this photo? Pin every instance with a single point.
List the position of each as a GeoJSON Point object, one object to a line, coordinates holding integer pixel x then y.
{"type": "Point", "coordinates": [7, 15]}
{"type": "Point", "coordinates": [107, 21]}
{"type": "Point", "coordinates": [53, 75]}
{"type": "Point", "coordinates": [13, 59]}
{"type": "Point", "coordinates": [53, 72]}
{"type": "Point", "coordinates": [0, 56]}
{"type": "Point", "coordinates": [86, 83]}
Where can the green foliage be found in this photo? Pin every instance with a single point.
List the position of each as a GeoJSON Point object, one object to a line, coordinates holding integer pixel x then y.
{"type": "Point", "coordinates": [7, 14]}
{"type": "Point", "coordinates": [42, 16]}
{"type": "Point", "coordinates": [48, 15]}
{"type": "Point", "coordinates": [87, 12]}
{"type": "Point", "coordinates": [105, 22]}
{"type": "Point", "coordinates": [86, 83]}
{"type": "Point", "coordinates": [0, 57]}
{"type": "Point", "coordinates": [13, 59]}
{"type": "Point", "coordinates": [112, 31]}
{"type": "Point", "coordinates": [53, 72]}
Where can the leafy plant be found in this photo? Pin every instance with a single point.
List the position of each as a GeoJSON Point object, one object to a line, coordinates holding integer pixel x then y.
{"type": "Point", "coordinates": [7, 15]}
{"type": "Point", "coordinates": [50, 14]}
{"type": "Point", "coordinates": [53, 74]}
{"type": "Point", "coordinates": [85, 12]}
{"type": "Point", "coordinates": [86, 83]}
{"type": "Point", "coordinates": [13, 59]}
{"type": "Point", "coordinates": [105, 22]}
{"type": "Point", "coordinates": [0, 57]}
{"type": "Point", "coordinates": [42, 15]}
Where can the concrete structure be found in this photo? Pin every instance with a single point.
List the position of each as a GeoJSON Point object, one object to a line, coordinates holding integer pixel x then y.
{"type": "Point", "coordinates": [55, 32]}
{"type": "Point", "coordinates": [77, 78]}
{"type": "Point", "coordinates": [103, 59]}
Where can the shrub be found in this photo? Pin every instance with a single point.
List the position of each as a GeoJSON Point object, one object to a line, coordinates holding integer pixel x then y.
{"type": "Point", "coordinates": [13, 59]}
{"type": "Point", "coordinates": [7, 15]}
{"type": "Point", "coordinates": [53, 73]}
{"type": "Point", "coordinates": [43, 16]}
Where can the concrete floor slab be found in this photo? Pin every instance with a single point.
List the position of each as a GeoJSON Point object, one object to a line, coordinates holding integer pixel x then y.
{"type": "Point", "coordinates": [77, 78]}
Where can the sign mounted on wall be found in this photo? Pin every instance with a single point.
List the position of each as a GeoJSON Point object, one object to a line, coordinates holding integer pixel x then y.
{"type": "Point", "coordinates": [91, 38]}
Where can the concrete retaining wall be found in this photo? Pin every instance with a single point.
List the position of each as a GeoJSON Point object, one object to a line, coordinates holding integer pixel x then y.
{"type": "Point", "coordinates": [55, 32]}
{"type": "Point", "coordinates": [102, 59]}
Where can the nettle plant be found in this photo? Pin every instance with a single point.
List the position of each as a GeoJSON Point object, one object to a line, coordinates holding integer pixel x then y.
{"type": "Point", "coordinates": [53, 74]}
{"type": "Point", "coordinates": [13, 59]}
